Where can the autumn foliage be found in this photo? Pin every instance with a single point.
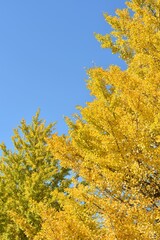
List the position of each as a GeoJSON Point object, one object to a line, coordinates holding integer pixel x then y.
{"type": "Point", "coordinates": [102, 180]}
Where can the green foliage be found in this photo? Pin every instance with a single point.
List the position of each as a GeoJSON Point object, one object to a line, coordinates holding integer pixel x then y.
{"type": "Point", "coordinates": [29, 173]}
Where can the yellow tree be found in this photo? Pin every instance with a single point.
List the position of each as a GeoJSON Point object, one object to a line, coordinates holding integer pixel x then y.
{"type": "Point", "coordinates": [35, 190]}
{"type": "Point", "coordinates": [28, 174]}
{"type": "Point", "coordinates": [75, 219]}
{"type": "Point", "coordinates": [114, 143]}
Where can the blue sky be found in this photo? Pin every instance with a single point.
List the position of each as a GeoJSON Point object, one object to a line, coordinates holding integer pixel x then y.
{"type": "Point", "coordinates": [45, 47]}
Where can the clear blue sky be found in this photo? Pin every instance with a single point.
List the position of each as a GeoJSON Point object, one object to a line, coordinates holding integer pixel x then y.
{"type": "Point", "coordinates": [45, 46]}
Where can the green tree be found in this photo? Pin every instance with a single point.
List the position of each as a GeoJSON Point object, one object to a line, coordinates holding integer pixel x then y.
{"type": "Point", "coordinates": [28, 175]}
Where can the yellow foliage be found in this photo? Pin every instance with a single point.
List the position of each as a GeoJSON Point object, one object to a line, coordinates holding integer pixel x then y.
{"type": "Point", "coordinates": [114, 145]}
{"type": "Point", "coordinates": [102, 180]}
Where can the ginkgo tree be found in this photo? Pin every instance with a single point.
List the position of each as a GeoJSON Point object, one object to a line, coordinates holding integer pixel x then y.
{"type": "Point", "coordinates": [102, 180]}
{"type": "Point", "coordinates": [28, 173]}
{"type": "Point", "coordinates": [114, 143]}
{"type": "Point", "coordinates": [36, 200]}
